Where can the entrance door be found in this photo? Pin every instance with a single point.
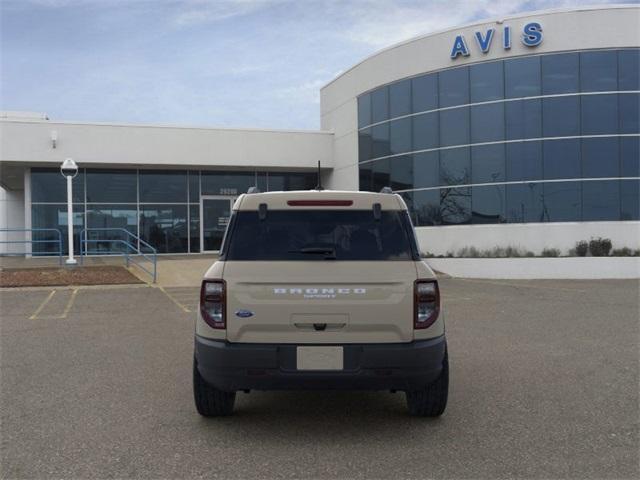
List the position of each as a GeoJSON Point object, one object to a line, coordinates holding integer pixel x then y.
{"type": "Point", "coordinates": [214, 216]}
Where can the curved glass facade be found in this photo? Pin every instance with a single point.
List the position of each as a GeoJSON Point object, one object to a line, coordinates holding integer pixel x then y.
{"type": "Point", "coordinates": [544, 138]}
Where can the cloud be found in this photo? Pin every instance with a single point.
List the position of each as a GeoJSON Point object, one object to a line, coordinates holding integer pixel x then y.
{"type": "Point", "coordinates": [210, 11]}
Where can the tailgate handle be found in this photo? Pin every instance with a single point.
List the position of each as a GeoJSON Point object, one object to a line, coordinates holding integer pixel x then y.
{"type": "Point", "coordinates": [320, 327]}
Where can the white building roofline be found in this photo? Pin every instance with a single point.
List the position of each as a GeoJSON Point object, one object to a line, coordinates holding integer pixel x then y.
{"type": "Point", "coordinates": [515, 16]}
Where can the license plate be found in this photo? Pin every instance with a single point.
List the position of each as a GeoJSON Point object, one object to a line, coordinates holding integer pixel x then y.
{"type": "Point", "coordinates": [320, 358]}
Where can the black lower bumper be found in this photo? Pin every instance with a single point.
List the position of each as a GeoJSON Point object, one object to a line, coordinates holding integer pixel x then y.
{"type": "Point", "coordinates": [253, 366]}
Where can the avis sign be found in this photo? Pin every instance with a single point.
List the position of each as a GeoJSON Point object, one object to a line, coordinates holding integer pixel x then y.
{"type": "Point", "coordinates": [531, 37]}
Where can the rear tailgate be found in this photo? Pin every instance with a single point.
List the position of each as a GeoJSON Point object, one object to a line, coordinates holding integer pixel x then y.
{"type": "Point", "coordinates": [319, 302]}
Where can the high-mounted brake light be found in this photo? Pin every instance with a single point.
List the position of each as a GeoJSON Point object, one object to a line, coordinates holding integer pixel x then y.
{"type": "Point", "coordinates": [426, 303]}
{"type": "Point", "coordinates": [319, 203]}
{"type": "Point", "coordinates": [212, 303]}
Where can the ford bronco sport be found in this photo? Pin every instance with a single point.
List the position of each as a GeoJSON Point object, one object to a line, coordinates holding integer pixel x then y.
{"type": "Point", "coordinates": [320, 290]}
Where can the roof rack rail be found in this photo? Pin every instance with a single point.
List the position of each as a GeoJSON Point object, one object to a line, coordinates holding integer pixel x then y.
{"type": "Point", "coordinates": [253, 190]}
{"type": "Point", "coordinates": [386, 190]}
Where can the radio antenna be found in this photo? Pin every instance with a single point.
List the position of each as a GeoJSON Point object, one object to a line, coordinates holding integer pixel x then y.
{"type": "Point", "coordinates": [319, 185]}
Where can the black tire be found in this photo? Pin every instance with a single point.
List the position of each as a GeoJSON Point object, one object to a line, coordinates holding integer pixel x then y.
{"type": "Point", "coordinates": [432, 401]}
{"type": "Point", "coordinates": [211, 402]}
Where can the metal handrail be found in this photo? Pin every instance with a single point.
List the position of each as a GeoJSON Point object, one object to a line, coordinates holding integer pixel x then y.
{"type": "Point", "coordinates": [31, 241]}
{"type": "Point", "coordinates": [149, 256]}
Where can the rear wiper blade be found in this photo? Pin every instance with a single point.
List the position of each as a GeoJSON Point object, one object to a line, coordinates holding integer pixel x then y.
{"type": "Point", "coordinates": [329, 252]}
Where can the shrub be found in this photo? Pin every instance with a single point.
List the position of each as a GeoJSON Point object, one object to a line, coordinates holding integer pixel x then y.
{"type": "Point", "coordinates": [600, 247]}
{"type": "Point", "coordinates": [581, 248]}
{"type": "Point", "coordinates": [427, 254]}
{"type": "Point", "coordinates": [625, 252]}
{"type": "Point", "coordinates": [550, 252]}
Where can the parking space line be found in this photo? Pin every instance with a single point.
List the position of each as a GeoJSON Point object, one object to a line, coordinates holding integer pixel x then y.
{"type": "Point", "coordinates": [491, 282]}
{"type": "Point", "coordinates": [180, 305]}
{"type": "Point", "coordinates": [42, 305]}
{"type": "Point", "coordinates": [69, 304]}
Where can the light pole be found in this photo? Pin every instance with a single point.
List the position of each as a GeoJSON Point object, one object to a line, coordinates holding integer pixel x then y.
{"type": "Point", "coordinates": [69, 170]}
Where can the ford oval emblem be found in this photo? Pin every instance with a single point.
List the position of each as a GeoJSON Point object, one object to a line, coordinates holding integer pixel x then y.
{"type": "Point", "coordinates": [244, 313]}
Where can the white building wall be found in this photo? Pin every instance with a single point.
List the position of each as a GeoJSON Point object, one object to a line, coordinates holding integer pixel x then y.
{"type": "Point", "coordinates": [11, 217]}
{"type": "Point", "coordinates": [529, 236]}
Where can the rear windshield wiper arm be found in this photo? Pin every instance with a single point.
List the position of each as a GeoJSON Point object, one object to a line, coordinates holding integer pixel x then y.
{"type": "Point", "coordinates": [329, 252]}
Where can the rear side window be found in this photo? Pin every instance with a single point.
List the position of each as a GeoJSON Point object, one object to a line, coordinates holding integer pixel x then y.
{"type": "Point", "coordinates": [320, 235]}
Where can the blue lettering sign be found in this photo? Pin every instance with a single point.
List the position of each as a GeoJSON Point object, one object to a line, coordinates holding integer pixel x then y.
{"type": "Point", "coordinates": [506, 38]}
{"type": "Point", "coordinates": [532, 35]}
{"type": "Point", "coordinates": [459, 47]}
{"type": "Point", "coordinates": [485, 43]}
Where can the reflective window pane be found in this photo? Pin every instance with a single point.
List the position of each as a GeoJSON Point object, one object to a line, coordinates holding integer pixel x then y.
{"type": "Point", "coordinates": [365, 145]}
{"type": "Point", "coordinates": [524, 203]}
{"type": "Point", "coordinates": [54, 217]}
{"type": "Point", "coordinates": [599, 114]}
{"type": "Point", "coordinates": [600, 200]}
{"type": "Point", "coordinates": [194, 228]}
{"type": "Point", "coordinates": [401, 173]}
{"type": "Point", "coordinates": [599, 71]}
{"type": "Point", "coordinates": [629, 69]}
{"type": "Point", "coordinates": [426, 206]}
{"type": "Point", "coordinates": [560, 73]}
{"type": "Point", "coordinates": [488, 204]}
{"type": "Point", "coordinates": [454, 87]}
{"type": "Point", "coordinates": [380, 105]}
{"type": "Point", "coordinates": [455, 205]}
{"type": "Point", "coordinates": [165, 227]}
{"type": "Point", "coordinates": [364, 110]}
{"type": "Point", "coordinates": [630, 157]}
{"type": "Point", "coordinates": [523, 119]}
{"type": "Point", "coordinates": [630, 199]}
{"type": "Point", "coordinates": [425, 131]}
{"type": "Point", "coordinates": [424, 93]}
{"type": "Point", "coordinates": [488, 164]}
{"type": "Point", "coordinates": [366, 176]}
{"type": "Point", "coordinates": [487, 123]}
{"type": "Point", "coordinates": [163, 186]}
{"type": "Point", "coordinates": [629, 112]}
{"type": "Point", "coordinates": [561, 116]}
{"type": "Point", "coordinates": [48, 185]}
{"type": "Point", "coordinates": [194, 186]}
{"type": "Point", "coordinates": [112, 186]}
{"type": "Point", "coordinates": [381, 174]}
{"type": "Point", "coordinates": [111, 220]}
{"type": "Point", "coordinates": [562, 201]}
{"type": "Point", "coordinates": [487, 81]}
{"type": "Point", "coordinates": [522, 77]}
{"type": "Point", "coordinates": [282, 182]}
{"type": "Point", "coordinates": [400, 135]}
{"type": "Point", "coordinates": [227, 183]}
{"type": "Point", "coordinates": [400, 98]}
{"type": "Point", "coordinates": [561, 159]}
{"type": "Point", "coordinates": [380, 140]}
{"type": "Point", "coordinates": [524, 161]}
{"type": "Point", "coordinates": [455, 166]}
{"type": "Point", "coordinates": [600, 157]}
{"type": "Point", "coordinates": [454, 127]}
{"type": "Point", "coordinates": [426, 169]}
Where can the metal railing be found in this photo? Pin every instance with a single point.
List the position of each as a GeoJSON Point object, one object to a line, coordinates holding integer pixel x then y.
{"type": "Point", "coordinates": [57, 241]}
{"type": "Point", "coordinates": [131, 251]}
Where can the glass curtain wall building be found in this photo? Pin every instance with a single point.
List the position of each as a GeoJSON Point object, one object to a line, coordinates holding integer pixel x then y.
{"type": "Point", "coordinates": [540, 138]}
{"type": "Point", "coordinates": [162, 207]}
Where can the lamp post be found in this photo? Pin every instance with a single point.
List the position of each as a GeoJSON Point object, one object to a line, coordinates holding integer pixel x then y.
{"type": "Point", "coordinates": [69, 170]}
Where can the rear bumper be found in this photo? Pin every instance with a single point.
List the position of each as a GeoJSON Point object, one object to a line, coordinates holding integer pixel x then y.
{"type": "Point", "coordinates": [253, 366]}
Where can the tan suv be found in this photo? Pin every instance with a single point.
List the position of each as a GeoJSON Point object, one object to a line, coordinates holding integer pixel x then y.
{"type": "Point", "coordinates": [320, 290]}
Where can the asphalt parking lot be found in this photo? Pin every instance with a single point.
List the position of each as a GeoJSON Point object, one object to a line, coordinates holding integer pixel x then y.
{"type": "Point", "coordinates": [96, 383]}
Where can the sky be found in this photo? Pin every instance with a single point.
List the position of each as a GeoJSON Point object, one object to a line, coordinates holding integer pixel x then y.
{"type": "Point", "coordinates": [220, 63]}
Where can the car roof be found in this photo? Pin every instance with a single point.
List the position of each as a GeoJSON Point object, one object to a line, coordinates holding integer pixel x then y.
{"type": "Point", "coordinates": [319, 200]}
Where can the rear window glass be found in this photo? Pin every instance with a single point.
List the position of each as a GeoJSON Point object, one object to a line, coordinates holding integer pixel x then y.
{"type": "Point", "coordinates": [319, 235]}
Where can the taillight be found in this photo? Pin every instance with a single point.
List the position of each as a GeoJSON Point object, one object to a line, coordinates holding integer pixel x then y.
{"type": "Point", "coordinates": [426, 303]}
{"type": "Point", "coordinates": [212, 303]}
